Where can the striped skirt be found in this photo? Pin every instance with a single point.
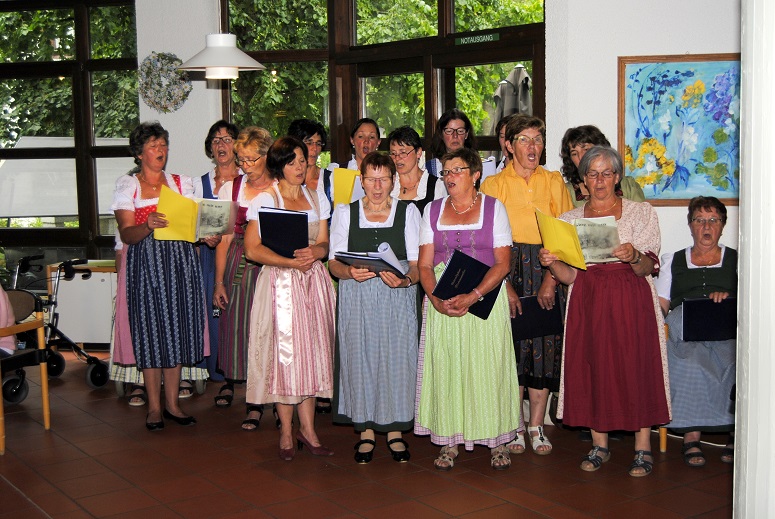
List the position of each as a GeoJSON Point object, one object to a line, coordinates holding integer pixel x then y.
{"type": "Point", "coordinates": [166, 303]}
{"type": "Point", "coordinates": [291, 351]}
{"type": "Point", "coordinates": [240, 282]}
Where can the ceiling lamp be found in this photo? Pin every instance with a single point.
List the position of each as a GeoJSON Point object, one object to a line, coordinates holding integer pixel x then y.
{"type": "Point", "coordinates": [221, 59]}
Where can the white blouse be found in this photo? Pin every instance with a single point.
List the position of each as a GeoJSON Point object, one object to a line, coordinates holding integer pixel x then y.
{"type": "Point", "coordinates": [127, 193]}
{"type": "Point", "coordinates": [501, 233]}
{"type": "Point", "coordinates": [340, 228]}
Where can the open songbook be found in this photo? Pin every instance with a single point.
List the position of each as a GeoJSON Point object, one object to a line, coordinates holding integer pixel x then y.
{"type": "Point", "coordinates": [384, 259]}
{"type": "Point", "coordinates": [191, 220]}
{"type": "Point", "coordinates": [586, 240]}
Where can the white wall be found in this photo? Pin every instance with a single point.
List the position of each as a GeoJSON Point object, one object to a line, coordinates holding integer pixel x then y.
{"type": "Point", "coordinates": [584, 38]}
{"type": "Point", "coordinates": [179, 27]}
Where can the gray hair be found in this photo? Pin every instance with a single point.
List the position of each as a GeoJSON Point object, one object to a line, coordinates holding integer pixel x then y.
{"type": "Point", "coordinates": [602, 152]}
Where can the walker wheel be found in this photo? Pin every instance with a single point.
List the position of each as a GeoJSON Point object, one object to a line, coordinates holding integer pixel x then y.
{"type": "Point", "coordinates": [97, 375]}
{"type": "Point", "coordinates": [200, 386]}
{"type": "Point", "coordinates": [56, 364]}
{"type": "Point", "coordinates": [14, 392]}
{"type": "Point", "coordinates": [122, 388]}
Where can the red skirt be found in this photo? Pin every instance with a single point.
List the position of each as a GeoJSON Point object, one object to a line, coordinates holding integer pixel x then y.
{"type": "Point", "coordinates": [612, 370]}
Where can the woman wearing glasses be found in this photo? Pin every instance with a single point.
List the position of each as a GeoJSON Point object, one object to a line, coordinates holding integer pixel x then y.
{"type": "Point", "coordinates": [414, 185]}
{"type": "Point", "coordinates": [466, 378]}
{"type": "Point", "coordinates": [453, 132]}
{"type": "Point", "coordinates": [235, 277]}
{"type": "Point", "coordinates": [524, 186]}
{"type": "Point", "coordinates": [702, 373]}
{"type": "Point", "coordinates": [575, 144]}
{"type": "Point", "coordinates": [614, 360]}
{"type": "Point", "coordinates": [219, 147]}
{"type": "Point", "coordinates": [377, 325]}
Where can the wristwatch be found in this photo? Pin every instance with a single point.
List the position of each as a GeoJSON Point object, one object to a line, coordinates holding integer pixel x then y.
{"type": "Point", "coordinates": [476, 291]}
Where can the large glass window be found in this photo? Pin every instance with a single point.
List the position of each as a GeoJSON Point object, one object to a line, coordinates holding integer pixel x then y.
{"type": "Point", "coordinates": [274, 97]}
{"type": "Point", "coordinates": [262, 25]}
{"type": "Point", "coordinates": [395, 100]}
{"type": "Point", "coordinates": [65, 118]}
{"type": "Point", "coordinates": [475, 15]}
{"type": "Point", "coordinates": [382, 21]}
{"type": "Point", "coordinates": [488, 92]}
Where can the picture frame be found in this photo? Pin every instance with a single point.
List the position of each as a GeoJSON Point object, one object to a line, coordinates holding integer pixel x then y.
{"type": "Point", "coordinates": [679, 126]}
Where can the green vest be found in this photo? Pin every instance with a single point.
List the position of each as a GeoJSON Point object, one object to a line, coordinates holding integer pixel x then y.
{"type": "Point", "coordinates": [367, 240]}
{"type": "Point", "coordinates": [701, 282]}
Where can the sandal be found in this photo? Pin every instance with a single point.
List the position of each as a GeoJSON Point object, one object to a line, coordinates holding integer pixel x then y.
{"type": "Point", "coordinates": [728, 452]}
{"type": "Point", "coordinates": [539, 440]}
{"type": "Point", "coordinates": [689, 456]}
{"type": "Point", "coordinates": [640, 462]}
{"type": "Point", "coordinates": [500, 459]}
{"type": "Point", "coordinates": [224, 399]}
{"type": "Point", "coordinates": [446, 459]}
{"type": "Point", "coordinates": [186, 391]}
{"type": "Point", "coordinates": [251, 424]}
{"type": "Point", "coordinates": [140, 398]}
{"type": "Point", "coordinates": [517, 445]}
{"type": "Point", "coordinates": [594, 460]}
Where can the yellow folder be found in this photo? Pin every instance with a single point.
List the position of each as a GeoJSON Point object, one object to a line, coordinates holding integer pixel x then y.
{"type": "Point", "coordinates": [561, 239]}
{"type": "Point", "coordinates": [190, 220]}
{"type": "Point", "coordinates": [344, 182]}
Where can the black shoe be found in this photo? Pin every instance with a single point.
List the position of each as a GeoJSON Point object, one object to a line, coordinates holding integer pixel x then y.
{"type": "Point", "coordinates": [153, 426]}
{"type": "Point", "coordinates": [180, 420]}
{"type": "Point", "coordinates": [323, 406]}
{"type": "Point", "coordinates": [399, 456]}
{"type": "Point", "coordinates": [364, 457]}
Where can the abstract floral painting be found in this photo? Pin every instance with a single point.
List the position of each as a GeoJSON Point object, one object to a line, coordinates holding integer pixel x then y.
{"type": "Point", "coordinates": [679, 125]}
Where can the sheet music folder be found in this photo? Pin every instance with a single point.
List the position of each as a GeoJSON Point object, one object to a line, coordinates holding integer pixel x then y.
{"type": "Point", "coordinates": [704, 320]}
{"type": "Point", "coordinates": [283, 230]}
{"type": "Point", "coordinates": [462, 274]}
{"type": "Point", "coordinates": [535, 321]}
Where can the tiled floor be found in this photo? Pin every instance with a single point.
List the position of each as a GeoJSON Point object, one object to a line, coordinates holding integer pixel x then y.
{"type": "Point", "coordinates": [99, 461]}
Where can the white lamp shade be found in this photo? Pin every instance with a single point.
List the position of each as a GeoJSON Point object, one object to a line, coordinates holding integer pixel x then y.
{"type": "Point", "coordinates": [221, 59]}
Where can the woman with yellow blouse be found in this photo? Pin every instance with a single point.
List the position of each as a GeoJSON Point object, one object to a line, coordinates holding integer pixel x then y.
{"type": "Point", "coordinates": [524, 186]}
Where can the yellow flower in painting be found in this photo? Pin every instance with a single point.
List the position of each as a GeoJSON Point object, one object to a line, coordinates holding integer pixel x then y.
{"type": "Point", "coordinates": [628, 160]}
{"type": "Point", "coordinates": [693, 94]}
{"type": "Point", "coordinates": [652, 147]}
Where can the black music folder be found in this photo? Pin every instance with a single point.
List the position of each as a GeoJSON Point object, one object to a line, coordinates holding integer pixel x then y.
{"type": "Point", "coordinates": [535, 321]}
{"type": "Point", "coordinates": [462, 274]}
{"type": "Point", "coordinates": [283, 230]}
{"type": "Point", "coordinates": [704, 320]}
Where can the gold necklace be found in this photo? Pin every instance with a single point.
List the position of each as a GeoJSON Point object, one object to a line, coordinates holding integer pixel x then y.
{"type": "Point", "coordinates": [603, 210]}
{"type": "Point", "coordinates": [405, 189]}
{"type": "Point", "coordinates": [709, 262]}
{"type": "Point", "coordinates": [464, 210]}
{"type": "Point", "coordinates": [367, 207]}
{"type": "Point", "coordinates": [153, 186]}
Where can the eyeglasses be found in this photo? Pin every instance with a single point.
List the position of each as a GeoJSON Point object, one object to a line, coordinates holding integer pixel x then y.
{"type": "Point", "coordinates": [456, 131]}
{"type": "Point", "coordinates": [400, 154]}
{"type": "Point", "coordinates": [454, 171]}
{"type": "Point", "coordinates": [700, 222]}
{"type": "Point", "coordinates": [222, 140]}
{"type": "Point", "coordinates": [524, 140]}
{"type": "Point", "coordinates": [247, 162]}
{"type": "Point", "coordinates": [374, 180]}
{"type": "Point", "coordinates": [592, 174]}
{"type": "Point", "coordinates": [317, 144]}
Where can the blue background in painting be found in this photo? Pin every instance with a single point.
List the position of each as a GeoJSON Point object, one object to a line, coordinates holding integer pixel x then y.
{"type": "Point", "coordinates": [682, 123]}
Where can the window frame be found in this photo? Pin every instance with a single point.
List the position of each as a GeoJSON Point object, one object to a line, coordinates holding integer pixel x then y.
{"type": "Point", "coordinates": [84, 151]}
